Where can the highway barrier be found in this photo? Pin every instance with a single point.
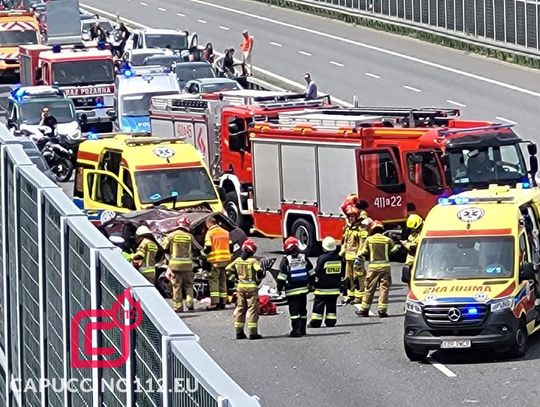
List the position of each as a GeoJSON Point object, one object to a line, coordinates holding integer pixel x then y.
{"type": "Point", "coordinates": [505, 29]}
{"type": "Point", "coordinates": [64, 311]}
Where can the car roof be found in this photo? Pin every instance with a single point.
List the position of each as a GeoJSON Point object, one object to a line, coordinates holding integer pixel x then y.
{"type": "Point", "coordinates": [211, 81]}
{"type": "Point", "coordinates": [147, 51]}
{"type": "Point", "coordinates": [193, 64]}
{"type": "Point", "coordinates": [162, 31]}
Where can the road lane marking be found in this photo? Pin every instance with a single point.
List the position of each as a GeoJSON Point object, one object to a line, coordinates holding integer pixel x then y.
{"type": "Point", "coordinates": [256, 68]}
{"type": "Point", "coordinates": [162, 9]}
{"type": "Point", "coordinates": [307, 54]}
{"type": "Point", "coordinates": [378, 49]}
{"type": "Point", "coordinates": [372, 75]}
{"type": "Point", "coordinates": [143, 4]}
{"type": "Point", "coordinates": [336, 63]}
{"type": "Point", "coordinates": [453, 102]}
{"type": "Point", "coordinates": [224, 28]}
{"type": "Point", "coordinates": [506, 120]}
{"type": "Point", "coordinates": [277, 44]}
{"type": "Point", "coordinates": [411, 88]}
{"type": "Point", "coordinates": [202, 21]}
{"type": "Point", "coordinates": [440, 367]}
{"type": "Point", "coordinates": [180, 14]}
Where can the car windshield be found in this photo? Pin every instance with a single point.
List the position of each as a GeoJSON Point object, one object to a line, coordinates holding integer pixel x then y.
{"type": "Point", "coordinates": [62, 110]}
{"type": "Point", "coordinates": [83, 72]}
{"type": "Point", "coordinates": [465, 258]}
{"type": "Point", "coordinates": [176, 41]}
{"type": "Point", "coordinates": [138, 105]}
{"type": "Point", "coordinates": [14, 38]}
{"type": "Point", "coordinates": [105, 26]}
{"type": "Point", "coordinates": [188, 73]}
{"type": "Point", "coordinates": [220, 87]}
{"type": "Point", "coordinates": [472, 168]}
{"type": "Point", "coordinates": [187, 184]}
{"type": "Point", "coordinates": [138, 59]}
{"type": "Point", "coordinates": [162, 60]}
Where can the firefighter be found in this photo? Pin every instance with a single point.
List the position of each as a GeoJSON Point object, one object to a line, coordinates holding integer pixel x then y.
{"type": "Point", "coordinates": [178, 245]}
{"type": "Point", "coordinates": [414, 226]}
{"type": "Point", "coordinates": [329, 272]}
{"type": "Point", "coordinates": [217, 250]}
{"type": "Point", "coordinates": [376, 250]}
{"type": "Point", "coordinates": [353, 235]}
{"type": "Point", "coordinates": [295, 276]}
{"type": "Point", "coordinates": [144, 258]}
{"type": "Point", "coordinates": [246, 271]}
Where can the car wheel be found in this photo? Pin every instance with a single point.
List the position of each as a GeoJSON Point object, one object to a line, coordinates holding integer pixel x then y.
{"type": "Point", "coordinates": [304, 231]}
{"type": "Point", "coordinates": [521, 342]}
{"type": "Point", "coordinates": [415, 355]}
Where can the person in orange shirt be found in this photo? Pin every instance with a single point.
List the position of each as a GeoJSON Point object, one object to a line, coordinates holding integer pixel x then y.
{"type": "Point", "coordinates": [247, 49]}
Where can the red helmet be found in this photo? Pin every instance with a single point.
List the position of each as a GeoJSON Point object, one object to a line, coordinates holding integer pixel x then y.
{"type": "Point", "coordinates": [352, 211]}
{"type": "Point", "coordinates": [290, 243]}
{"type": "Point", "coordinates": [183, 222]}
{"type": "Point", "coordinates": [376, 224]}
{"type": "Point", "coordinates": [351, 201]}
{"type": "Point", "coordinates": [249, 246]}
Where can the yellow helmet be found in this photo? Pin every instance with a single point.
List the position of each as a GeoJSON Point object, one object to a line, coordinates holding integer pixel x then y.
{"type": "Point", "coordinates": [414, 221]}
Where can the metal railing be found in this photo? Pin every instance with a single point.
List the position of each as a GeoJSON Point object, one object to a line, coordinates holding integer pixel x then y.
{"type": "Point", "coordinates": [513, 24]}
{"type": "Point", "coordinates": [55, 263]}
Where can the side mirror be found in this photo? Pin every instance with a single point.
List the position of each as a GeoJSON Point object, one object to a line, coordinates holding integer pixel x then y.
{"type": "Point", "coordinates": [83, 118]}
{"type": "Point", "coordinates": [111, 113]}
{"type": "Point", "coordinates": [532, 149]}
{"type": "Point", "coordinates": [221, 193]}
{"type": "Point", "coordinates": [533, 164]}
{"type": "Point", "coordinates": [406, 275]}
{"type": "Point", "coordinates": [527, 272]}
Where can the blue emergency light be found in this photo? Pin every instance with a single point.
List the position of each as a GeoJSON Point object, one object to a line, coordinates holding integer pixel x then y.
{"type": "Point", "coordinates": [101, 45]}
{"type": "Point", "coordinates": [526, 185]}
{"type": "Point", "coordinates": [470, 312]}
{"type": "Point", "coordinates": [92, 136]}
{"type": "Point", "coordinates": [56, 48]}
{"type": "Point", "coordinates": [99, 102]}
{"type": "Point", "coordinates": [454, 201]}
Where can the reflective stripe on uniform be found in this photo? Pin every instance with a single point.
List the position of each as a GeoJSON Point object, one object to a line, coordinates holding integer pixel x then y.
{"type": "Point", "coordinates": [317, 317]}
{"type": "Point", "coordinates": [331, 316]}
{"type": "Point", "coordinates": [297, 291]}
{"type": "Point", "coordinates": [238, 324]}
{"type": "Point", "coordinates": [252, 325]}
{"type": "Point", "coordinates": [249, 285]}
{"type": "Point", "coordinates": [218, 239]}
{"type": "Point", "coordinates": [327, 291]}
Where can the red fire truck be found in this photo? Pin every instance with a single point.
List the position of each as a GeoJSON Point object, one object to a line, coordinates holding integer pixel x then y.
{"type": "Point", "coordinates": [83, 72]}
{"type": "Point", "coordinates": [212, 121]}
{"type": "Point", "coordinates": [305, 163]}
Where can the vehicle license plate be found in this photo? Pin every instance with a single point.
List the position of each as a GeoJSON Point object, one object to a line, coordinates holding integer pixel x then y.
{"type": "Point", "coordinates": [456, 343]}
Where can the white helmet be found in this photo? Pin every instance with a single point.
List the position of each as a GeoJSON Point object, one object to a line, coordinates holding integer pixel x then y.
{"type": "Point", "coordinates": [329, 244]}
{"type": "Point", "coordinates": [143, 230]}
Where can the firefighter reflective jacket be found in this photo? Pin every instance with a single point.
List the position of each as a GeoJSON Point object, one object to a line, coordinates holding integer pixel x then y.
{"type": "Point", "coordinates": [353, 237]}
{"type": "Point", "coordinates": [295, 274]}
{"type": "Point", "coordinates": [248, 273]}
{"type": "Point", "coordinates": [376, 250]}
{"type": "Point", "coordinates": [147, 251]}
{"type": "Point", "coordinates": [411, 245]}
{"type": "Point", "coordinates": [178, 244]}
{"type": "Point", "coordinates": [218, 239]}
{"type": "Point", "coordinates": [329, 272]}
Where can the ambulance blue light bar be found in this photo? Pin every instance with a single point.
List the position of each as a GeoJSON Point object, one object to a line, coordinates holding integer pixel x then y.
{"type": "Point", "coordinates": [454, 201]}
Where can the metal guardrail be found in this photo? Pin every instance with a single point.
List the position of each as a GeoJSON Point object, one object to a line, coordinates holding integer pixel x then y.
{"type": "Point", "coordinates": [506, 24]}
{"type": "Point", "coordinates": [53, 264]}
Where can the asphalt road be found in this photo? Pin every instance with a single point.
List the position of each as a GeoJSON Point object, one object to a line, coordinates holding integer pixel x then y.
{"type": "Point", "coordinates": [361, 361]}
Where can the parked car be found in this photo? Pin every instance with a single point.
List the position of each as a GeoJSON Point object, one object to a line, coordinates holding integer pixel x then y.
{"type": "Point", "coordinates": [188, 71]}
{"type": "Point", "coordinates": [211, 85]}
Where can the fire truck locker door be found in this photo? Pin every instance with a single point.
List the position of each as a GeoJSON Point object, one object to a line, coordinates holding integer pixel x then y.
{"type": "Point", "coordinates": [380, 183]}
{"type": "Point", "coordinates": [196, 133]}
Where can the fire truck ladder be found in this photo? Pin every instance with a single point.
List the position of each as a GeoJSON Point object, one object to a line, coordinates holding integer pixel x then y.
{"type": "Point", "coordinates": [445, 132]}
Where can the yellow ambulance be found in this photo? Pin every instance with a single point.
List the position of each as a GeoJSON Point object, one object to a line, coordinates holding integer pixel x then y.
{"type": "Point", "coordinates": [118, 173]}
{"type": "Point", "coordinates": [473, 283]}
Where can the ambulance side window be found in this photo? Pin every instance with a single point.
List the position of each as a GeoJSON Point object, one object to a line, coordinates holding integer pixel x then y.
{"type": "Point", "coordinates": [127, 200]}
{"type": "Point", "coordinates": [532, 229]}
{"type": "Point", "coordinates": [78, 186]}
{"type": "Point", "coordinates": [523, 251]}
{"type": "Point", "coordinates": [107, 189]}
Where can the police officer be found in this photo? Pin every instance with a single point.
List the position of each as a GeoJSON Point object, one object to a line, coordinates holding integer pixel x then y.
{"type": "Point", "coordinates": [145, 256]}
{"type": "Point", "coordinates": [329, 272]}
{"type": "Point", "coordinates": [414, 225]}
{"type": "Point", "coordinates": [180, 266]}
{"type": "Point", "coordinates": [218, 252]}
{"type": "Point", "coordinates": [377, 249]}
{"type": "Point", "coordinates": [295, 276]}
{"type": "Point", "coordinates": [246, 271]}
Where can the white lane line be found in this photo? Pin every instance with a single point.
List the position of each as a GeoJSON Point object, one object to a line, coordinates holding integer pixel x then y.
{"type": "Point", "coordinates": [453, 102]}
{"type": "Point", "coordinates": [372, 75]}
{"type": "Point", "coordinates": [277, 44]}
{"type": "Point", "coordinates": [256, 68]}
{"type": "Point", "coordinates": [162, 9]}
{"type": "Point", "coordinates": [378, 49]}
{"type": "Point", "coordinates": [180, 14]}
{"type": "Point", "coordinates": [336, 63]}
{"type": "Point", "coordinates": [411, 88]}
{"type": "Point", "coordinates": [202, 21]}
{"type": "Point", "coordinates": [307, 54]}
{"type": "Point", "coordinates": [224, 28]}
{"type": "Point", "coordinates": [143, 4]}
{"type": "Point", "coordinates": [440, 367]}
{"type": "Point", "coordinates": [506, 120]}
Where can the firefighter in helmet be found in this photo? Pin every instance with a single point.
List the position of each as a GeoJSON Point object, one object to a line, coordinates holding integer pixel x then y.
{"type": "Point", "coordinates": [145, 257]}
{"type": "Point", "coordinates": [246, 271]}
{"type": "Point", "coordinates": [295, 276]}
{"type": "Point", "coordinates": [177, 245]}
{"type": "Point", "coordinates": [414, 224]}
{"type": "Point", "coordinates": [376, 250]}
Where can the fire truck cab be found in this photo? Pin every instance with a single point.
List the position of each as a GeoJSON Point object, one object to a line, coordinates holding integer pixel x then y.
{"type": "Point", "coordinates": [16, 28]}
{"type": "Point", "coordinates": [83, 72]}
{"type": "Point", "coordinates": [217, 125]}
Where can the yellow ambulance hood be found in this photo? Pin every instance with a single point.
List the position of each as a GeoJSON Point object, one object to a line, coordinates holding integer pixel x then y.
{"type": "Point", "coordinates": [466, 291]}
{"type": "Point", "coordinates": [9, 53]}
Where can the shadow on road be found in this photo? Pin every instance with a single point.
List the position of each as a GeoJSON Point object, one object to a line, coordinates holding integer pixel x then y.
{"type": "Point", "coordinates": [310, 334]}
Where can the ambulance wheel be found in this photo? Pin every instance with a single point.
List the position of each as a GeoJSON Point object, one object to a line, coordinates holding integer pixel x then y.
{"type": "Point", "coordinates": [304, 231]}
{"type": "Point", "coordinates": [415, 355]}
{"type": "Point", "coordinates": [521, 342]}
{"type": "Point", "coordinates": [233, 211]}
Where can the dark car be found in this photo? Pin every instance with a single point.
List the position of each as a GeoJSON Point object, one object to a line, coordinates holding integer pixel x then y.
{"type": "Point", "coordinates": [166, 61]}
{"type": "Point", "coordinates": [188, 71]}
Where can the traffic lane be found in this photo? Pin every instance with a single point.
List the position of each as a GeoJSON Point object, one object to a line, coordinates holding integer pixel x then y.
{"type": "Point", "coordinates": [432, 88]}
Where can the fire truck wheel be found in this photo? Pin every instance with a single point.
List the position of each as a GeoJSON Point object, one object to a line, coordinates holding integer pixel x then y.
{"type": "Point", "coordinates": [233, 211]}
{"type": "Point", "coordinates": [304, 231]}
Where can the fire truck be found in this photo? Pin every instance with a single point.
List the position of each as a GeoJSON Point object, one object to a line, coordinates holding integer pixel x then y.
{"type": "Point", "coordinates": [306, 162]}
{"type": "Point", "coordinates": [84, 72]}
{"type": "Point", "coordinates": [216, 124]}
{"type": "Point", "coordinates": [16, 28]}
